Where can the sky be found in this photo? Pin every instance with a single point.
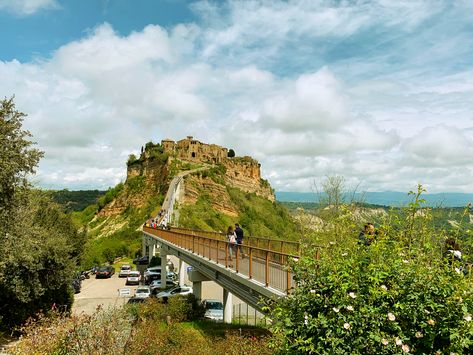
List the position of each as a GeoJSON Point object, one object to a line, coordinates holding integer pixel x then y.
{"type": "Point", "coordinates": [379, 92]}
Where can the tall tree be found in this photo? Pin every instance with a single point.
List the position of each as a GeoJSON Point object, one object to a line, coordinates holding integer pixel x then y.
{"type": "Point", "coordinates": [39, 246]}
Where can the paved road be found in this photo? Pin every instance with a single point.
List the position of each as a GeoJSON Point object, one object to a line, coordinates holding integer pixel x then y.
{"type": "Point", "coordinates": [100, 292]}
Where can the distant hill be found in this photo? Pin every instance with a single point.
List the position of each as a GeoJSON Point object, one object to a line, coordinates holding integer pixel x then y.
{"type": "Point", "coordinates": [72, 201]}
{"type": "Point", "coordinates": [386, 198]}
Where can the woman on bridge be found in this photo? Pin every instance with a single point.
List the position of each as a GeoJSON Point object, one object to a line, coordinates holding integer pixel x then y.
{"type": "Point", "coordinates": [231, 239]}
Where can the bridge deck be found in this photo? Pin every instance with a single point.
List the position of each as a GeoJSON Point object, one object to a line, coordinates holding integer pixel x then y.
{"type": "Point", "coordinates": [265, 266]}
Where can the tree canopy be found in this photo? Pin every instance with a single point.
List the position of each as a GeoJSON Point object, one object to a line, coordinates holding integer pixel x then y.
{"type": "Point", "coordinates": [39, 245]}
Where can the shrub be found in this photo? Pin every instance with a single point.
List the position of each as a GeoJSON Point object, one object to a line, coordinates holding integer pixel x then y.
{"type": "Point", "coordinates": [398, 294]}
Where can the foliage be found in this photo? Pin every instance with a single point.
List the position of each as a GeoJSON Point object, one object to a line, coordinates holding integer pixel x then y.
{"type": "Point", "coordinates": [132, 159]}
{"type": "Point", "coordinates": [396, 295]}
{"type": "Point", "coordinates": [109, 196]}
{"type": "Point", "coordinates": [140, 329]}
{"type": "Point", "coordinates": [39, 245]}
{"type": "Point", "coordinates": [17, 157]}
{"type": "Point", "coordinates": [38, 273]}
{"type": "Point", "coordinates": [75, 200]}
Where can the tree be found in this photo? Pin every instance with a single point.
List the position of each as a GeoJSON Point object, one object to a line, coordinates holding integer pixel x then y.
{"type": "Point", "coordinates": [17, 157]}
{"type": "Point", "coordinates": [231, 153]}
{"type": "Point", "coordinates": [39, 245]}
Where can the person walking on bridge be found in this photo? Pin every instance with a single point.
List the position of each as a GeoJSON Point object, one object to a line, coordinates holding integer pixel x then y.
{"type": "Point", "coordinates": [239, 238]}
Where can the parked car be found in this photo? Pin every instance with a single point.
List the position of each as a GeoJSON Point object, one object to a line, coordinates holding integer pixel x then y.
{"type": "Point", "coordinates": [155, 286]}
{"type": "Point", "coordinates": [154, 273]}
{"type": "Point", "coordinates": [104, 272]}
{"type": "Point", "coordinates": [213, 310]}
{"type": "Point", "coordinates": [142, 292]}
{"type": "Point", "coordinates": [143, 260]}
{"type": "Point", "coordinates": [176, 291]}
{"type": "Point", "coordinates": [124, 271]}
{"type": "Point", "coordinates": [133, 278]}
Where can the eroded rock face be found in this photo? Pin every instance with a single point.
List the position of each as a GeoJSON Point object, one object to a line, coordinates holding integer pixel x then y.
{"type": "Point", "coordinates": [245, 174]}
{"type": "Point", "coordinates": [218, 195]}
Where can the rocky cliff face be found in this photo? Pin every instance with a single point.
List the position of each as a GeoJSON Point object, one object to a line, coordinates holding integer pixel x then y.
{"type": "Point", "coordinates": [150, 174]}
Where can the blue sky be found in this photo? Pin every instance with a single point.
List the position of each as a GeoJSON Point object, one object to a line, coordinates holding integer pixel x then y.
{"type": "Point", "coordinates": [378, 91]}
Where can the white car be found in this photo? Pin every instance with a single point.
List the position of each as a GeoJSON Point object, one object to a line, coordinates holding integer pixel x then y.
{"type": "Point", "coordinates": [176, 291]}
{"type": "Point", "coordinates": [134, 277]}
{"type": "Point", "coordinates": [156, 285]}
{"type": "Point", "coordinates": [142, 292]}
{"type": "Point", "coordinates": [213, 310]}
{"type": "Point", "coordinates": [124, 271]}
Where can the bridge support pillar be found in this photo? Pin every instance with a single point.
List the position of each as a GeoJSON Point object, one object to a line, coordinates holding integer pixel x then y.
{"type": "Point", "coordinates": [164, 262]}
{"type": "Point", "coordinates": [143, 245]}
{"type": "Point", "coordinates": [197, 287]}
{"type": "Point", "coordinates": [227, 306]}
{"type": "Point", "coordinates": [152, 249]}
{"type": "Point", "coordinates": [182, 272]}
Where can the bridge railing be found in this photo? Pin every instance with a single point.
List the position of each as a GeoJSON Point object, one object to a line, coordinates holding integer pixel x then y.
{"type": "Point", "coordinates": [283, 246]}
{"type": "Point", "coordinates": [270, 267]}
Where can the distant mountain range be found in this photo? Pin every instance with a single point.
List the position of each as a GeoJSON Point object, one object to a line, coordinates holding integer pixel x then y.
{"type": "Point", "coordinates": [386, 198]}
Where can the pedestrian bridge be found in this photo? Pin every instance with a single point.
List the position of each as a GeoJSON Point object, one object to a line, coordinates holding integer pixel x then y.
{"type": "Point", "coordinates": [258, 272]}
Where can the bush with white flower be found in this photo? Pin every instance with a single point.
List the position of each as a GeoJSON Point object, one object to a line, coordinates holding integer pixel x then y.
{"type": "Point", "coordinates": [369, 300]}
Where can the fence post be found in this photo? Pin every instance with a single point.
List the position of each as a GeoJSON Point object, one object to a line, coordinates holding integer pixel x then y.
{"type": "Point", "coordinates": [267, 268]}
{"type": "Point", "coordinates": [251, 263]}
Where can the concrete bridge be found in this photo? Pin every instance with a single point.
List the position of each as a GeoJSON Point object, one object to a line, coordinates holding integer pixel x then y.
{"type": "Point", "coordinates": [257, 273]}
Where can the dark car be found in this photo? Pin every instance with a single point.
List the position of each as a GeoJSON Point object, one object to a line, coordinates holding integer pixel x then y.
{"type": "Point", "coordinates": [104, 272]}
{"type": "Point", "coordinates": [144, 260]}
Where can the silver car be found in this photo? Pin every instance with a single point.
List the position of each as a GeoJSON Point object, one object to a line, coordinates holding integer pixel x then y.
{"type": "Point", "coordinates": [213, 310]}
{"type": "Point", "coordinates": [133, 278]}
{"type": "Point", "coordinates": [142, 292]}
{"type": "Point", "coordinates": [124, 271]}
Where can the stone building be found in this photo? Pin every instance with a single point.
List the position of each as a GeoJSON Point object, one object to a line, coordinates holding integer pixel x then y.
{"type": "Point", "coordinates": [191, 149]}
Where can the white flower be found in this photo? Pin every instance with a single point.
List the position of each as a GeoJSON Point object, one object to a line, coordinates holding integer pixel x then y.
{"type": "Point", "coordinates": [391, 317]}
{"type": "Point", "coordinates": [426, 311]}
{"type": "Point", "coordinates": [384, 341]}
{"type": "Point", "coordinates": [295, 259]}
{"type": "Point", "coordinates": [467, 318]}
{"type": "Point", "coordinates": [352, 295]}
{"type": "Point", "coordinates": [347, 326]}
{"type": "Point", "coordinates": [384, 287]}
{"type": "Point", "coordinates": [398, 342]}
{"type": "Point", "coordinates": [457, 270]}
{"type": "Point", "coordinates": [419, 335]}
{"type": "Point", "coordinates": [313, 291]}
{"type": "Point", "coordinates": [350, 308]}
{"type": "Point", "coordinates": [344, 254]}
{"type": "Point", "coordinates": [405, 261]}
{"type": "Point", "coordinates": [332, 243]}
{"type": "Point", "coordinates": [405, 348]}
{"type": "Point", "coordinates": [336, 310]}
{"type": "Point", "coordinates": [430, 322]}
{"type": "Point", "coordinates": [306, 319]}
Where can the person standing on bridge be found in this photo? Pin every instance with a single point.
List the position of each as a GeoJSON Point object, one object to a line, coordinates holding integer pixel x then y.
{"type": "Point", "coordinates": [239, 238]}
{"type": "Point", "coordinates": [231, 239]}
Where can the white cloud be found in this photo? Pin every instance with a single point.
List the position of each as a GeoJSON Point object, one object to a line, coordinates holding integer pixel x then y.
{"type": "Point", "coordinates": [381, 125]}
{"type": "Point", "coordinates": [27, 7]}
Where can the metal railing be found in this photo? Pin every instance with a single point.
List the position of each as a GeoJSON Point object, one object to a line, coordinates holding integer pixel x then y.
{"type": "Point", "coordinates": [283, 246]}
{"type": "Point", "coordinates": [270, 267]}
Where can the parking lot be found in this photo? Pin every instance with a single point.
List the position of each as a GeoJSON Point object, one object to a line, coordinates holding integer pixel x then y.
{"type": "Point", "coordinates": [105, 293]}
{"type": "Point", "coordinates": [100, 292]}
